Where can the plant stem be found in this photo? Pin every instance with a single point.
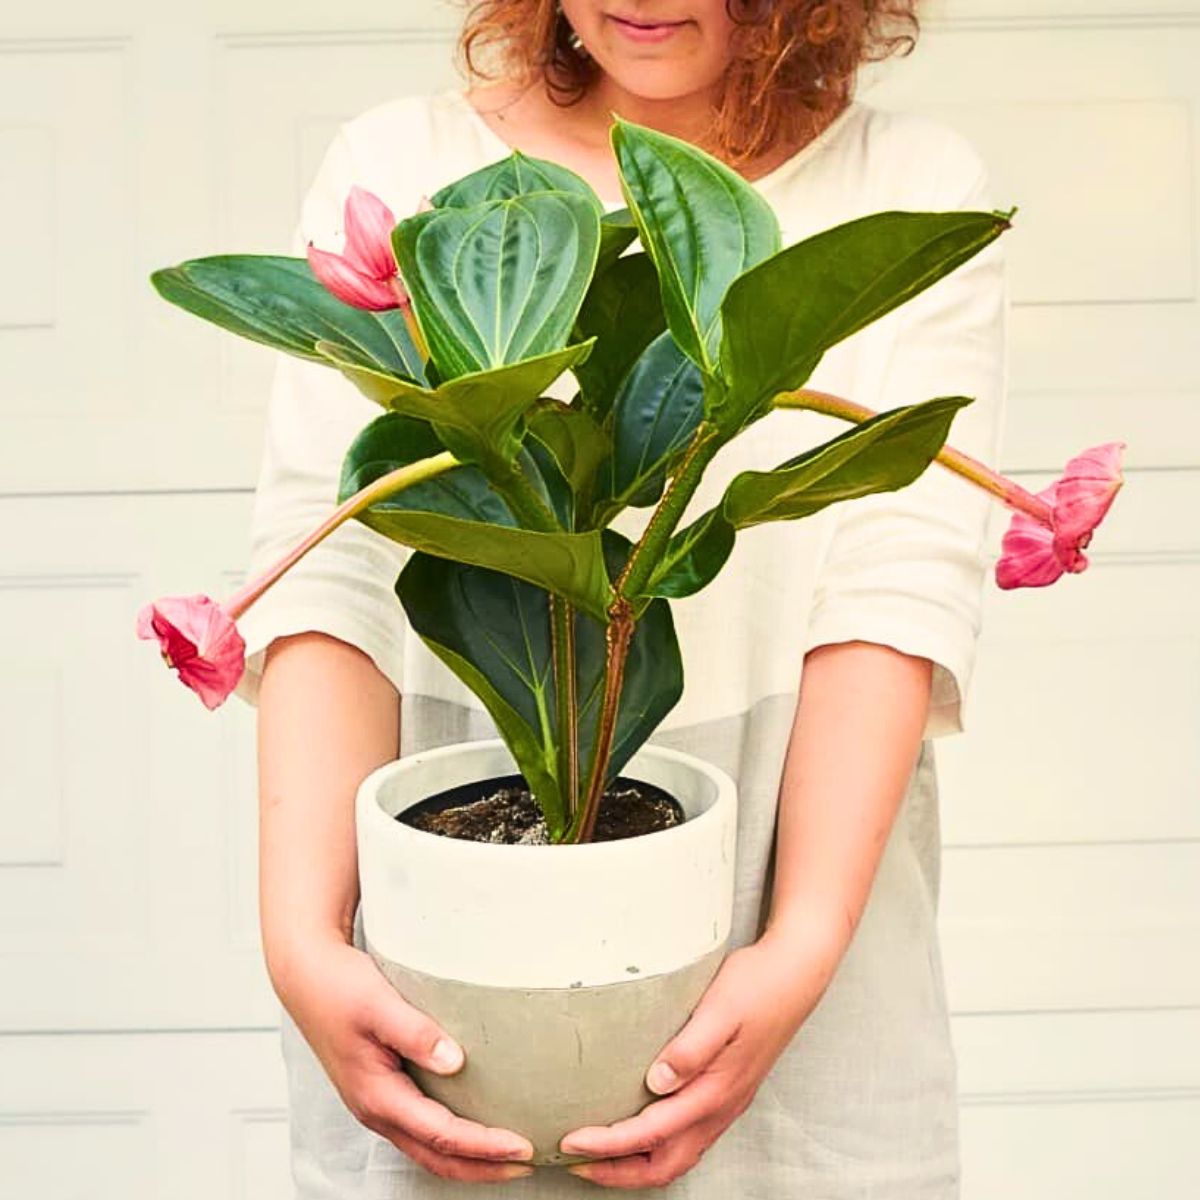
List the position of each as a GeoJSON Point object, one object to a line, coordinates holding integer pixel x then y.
{"type": "Point", "coordinates": [617, 636]}
{"type": "Point", "coordinates": [410, 318]}
{"type": "Point", "coordinates": [1009, 493]}
{"type": "Point", "coordinates": [529, 508]}
{"type": "Point", "coordinates": [386, 485]}
{"type": "Point", "coordinates": [638, 566]}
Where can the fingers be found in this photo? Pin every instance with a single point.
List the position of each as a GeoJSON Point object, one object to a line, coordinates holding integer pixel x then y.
{"type": "Point", "coordinates": [413, 1035]}
{"type": "Point", "coordinates": [656, 1168]}
{"type": "Point", "coordinates": [651, 1129]}
{"type": "Point", "coordinates": [400, 1103]}
{"type": "Point", "coordinates": [466, 1170]}
{"type": "Point", "coordinates": [710, 1029]}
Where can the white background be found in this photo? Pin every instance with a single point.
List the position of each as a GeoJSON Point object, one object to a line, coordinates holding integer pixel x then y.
{"type": "Point", "coordinates": [138, 1033]}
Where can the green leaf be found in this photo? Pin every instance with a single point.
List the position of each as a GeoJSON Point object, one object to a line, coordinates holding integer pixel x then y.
{"type": "Point", "coordinates": [517, 175]}
{"type": "Point", "coordinates": [476, 415]}
{"type": "Point", "coordinates": [887, 452]}
{"type": "Point", "coordinates": [576, 442]}
{"type": "Point", "coordinates": [493, 631]}
{"type": "Point", "coordinates": [655, 413]}
{"type": "Point", "coordinates": [617, 232]}
{"type": "Point", "coordinates": [569, 564]}
{"type": "Point", "coordinates": [278, 302]}
{"type": "Point", "coordinates": [501, 281]}
{"type": "Point", "coordinates": [623, 312]}
{"type": "Point", "coordinates": [694, 556]}
{"type": "Point", "coordinates": [701, 223]}
{"type": "Point", "coordinates": [783, 315]}
{"type": "Point", "coordinates": [394, 440]}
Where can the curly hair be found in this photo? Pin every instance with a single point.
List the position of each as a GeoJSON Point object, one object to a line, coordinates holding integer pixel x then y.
{"type": "Point", "coordinates": [793, 67]}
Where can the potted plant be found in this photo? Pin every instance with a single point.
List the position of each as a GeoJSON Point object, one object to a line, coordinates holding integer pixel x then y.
{"type": "Point", "coordinates": [558, 899]}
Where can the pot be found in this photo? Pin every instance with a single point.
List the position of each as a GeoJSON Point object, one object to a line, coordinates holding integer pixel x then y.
{"type": "Point", "coordinates": [562, 971]}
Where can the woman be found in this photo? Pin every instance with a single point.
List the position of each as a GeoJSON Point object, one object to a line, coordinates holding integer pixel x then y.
{"type": "Point", "coordinates": [820, 664]}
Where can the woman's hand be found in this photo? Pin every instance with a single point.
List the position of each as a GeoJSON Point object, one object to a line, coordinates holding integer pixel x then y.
{"type": "Point", "coordinates": [712, 1068]}
{"type": "Point", "coordinates": [360, 1027]}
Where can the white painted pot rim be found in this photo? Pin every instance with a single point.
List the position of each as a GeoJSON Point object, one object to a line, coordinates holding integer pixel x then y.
{"type": "Point", "coordinates": [545, 916]}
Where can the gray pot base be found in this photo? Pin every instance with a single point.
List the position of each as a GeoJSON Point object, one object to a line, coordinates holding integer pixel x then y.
{"type": "Point", "coordinates": [546, 1061]}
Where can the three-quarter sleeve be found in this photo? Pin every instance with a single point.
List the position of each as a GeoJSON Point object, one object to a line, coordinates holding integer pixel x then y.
{"type": "Point", "coordinates": [344, 586]}
{"type": "Point", "coordinates": [907, 568]}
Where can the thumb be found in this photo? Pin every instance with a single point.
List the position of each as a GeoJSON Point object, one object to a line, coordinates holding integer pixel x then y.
{"type": "Point", "coordinates": [413, 1035]}
{"type": "Point", "coordinates": [709, 1030]}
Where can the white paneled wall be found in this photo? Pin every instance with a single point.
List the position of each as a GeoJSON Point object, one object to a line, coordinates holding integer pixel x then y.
{"type": "Point", "coordinates": [138, 1033]}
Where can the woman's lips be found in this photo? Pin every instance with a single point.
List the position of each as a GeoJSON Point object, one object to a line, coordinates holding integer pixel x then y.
{"type": "Point", "coordinates": [647, 32]}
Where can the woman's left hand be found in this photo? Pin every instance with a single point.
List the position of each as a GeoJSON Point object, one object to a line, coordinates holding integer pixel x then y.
{"type": "Point", "coordinates": [757, 1001]}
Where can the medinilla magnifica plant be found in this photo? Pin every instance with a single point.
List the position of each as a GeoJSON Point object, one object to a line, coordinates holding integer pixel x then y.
{"type": "Point", "coordinates": [456, 319]}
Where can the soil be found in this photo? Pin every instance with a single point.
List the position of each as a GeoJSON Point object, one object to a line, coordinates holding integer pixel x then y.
{"type": "Point", "coordinates": [502, 811]}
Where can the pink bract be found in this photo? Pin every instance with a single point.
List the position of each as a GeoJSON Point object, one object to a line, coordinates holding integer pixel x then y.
{"type": "Point", "coordinates": [1034, 554]}
{"type": "Point", "coordinates": [199, 639]}
{"type": "Point", "coordinates": [364, 274]}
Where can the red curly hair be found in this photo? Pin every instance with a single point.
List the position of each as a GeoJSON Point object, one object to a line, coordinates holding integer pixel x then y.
{"type": "Point", "coordinates": [793, 67]}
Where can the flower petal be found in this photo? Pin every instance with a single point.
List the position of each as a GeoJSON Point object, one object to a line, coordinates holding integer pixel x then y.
{"type": "Point", "coordinates": [369, 224]}
{"type": "Point", "coordinates": [1089, 483]}
{"type": "Point", "coordinates": [1027, 557]}
{"type": "Point", "coordinates": [348, 284]}
{"type": "Point", "coordinates": [196, 637]}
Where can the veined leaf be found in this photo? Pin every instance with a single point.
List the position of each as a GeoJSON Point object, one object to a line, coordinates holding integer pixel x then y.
{"type": "Point", "coordinates": [476, 416]}
{"type": "Point", "coordinates": [280, 303]}
{"type": "Point", "coordinates": [886, 452]}
{"type": "Point", "coordinates": [623, 312]}
{"type": "Point", "coordinates": [781, 317]}
{"type": "Point", "coordinates": [500, 281]}
{"type": "Point", "coordinates": [516, 175]}
{"type": "Point", "coordinates": [493, 631]}
{"type": "Point", "coordinates": [701, 223]}
{"type": "Point", "coordinates": [656, 411]}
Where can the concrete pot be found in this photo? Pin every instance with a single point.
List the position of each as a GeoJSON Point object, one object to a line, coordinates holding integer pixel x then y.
{"type": "Point", "coordinates": [561, 970]}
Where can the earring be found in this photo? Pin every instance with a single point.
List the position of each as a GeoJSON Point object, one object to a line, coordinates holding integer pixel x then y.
{"type": "Point", "coordinates": [573, 39]}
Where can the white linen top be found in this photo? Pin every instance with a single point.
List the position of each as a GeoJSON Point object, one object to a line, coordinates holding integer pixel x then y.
{"type": "Point", "coordinates": [863, 1100]}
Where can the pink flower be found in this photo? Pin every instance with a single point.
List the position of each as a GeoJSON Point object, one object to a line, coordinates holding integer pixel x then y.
{"type": "Point", "coordinates": [198, 638]}
{"type": "Point", "coordinates": [1034, 553]}
{"type": "Point", "coordinates": [364, 274]}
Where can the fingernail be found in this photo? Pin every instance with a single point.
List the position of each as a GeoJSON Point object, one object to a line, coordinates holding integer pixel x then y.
{"type": "Point", "coordinates": [567, 1146]}
{"type": "Point", "coordinates": [661, 1078]}
{"type": "Point", "coordinates": [518, 1150]}
{"type": "Point", "coordinates": [583, 1170]}
{"type": "Point", "coordinates": [515, 1172]}
{"type": "Point", "coordinates": [447, 1055]}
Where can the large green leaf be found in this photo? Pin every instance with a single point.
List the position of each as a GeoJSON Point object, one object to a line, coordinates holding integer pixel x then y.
{"type": "Point", "coordinates": [476, 416]}
{"type": "Point", "coordinates": [569, 564]}
{"type": "Point", "coordinates": [701, 223]}
{"type": "Point", "coordinates": [887, 452]}
{"type": "Point", "coordinates": [780, 317]}
{"type": "Point", "coordinates": [458, 515]}
{"type": "Point", "coordinates": [516, 175]}
{"type": "Point", "coordinates": [500, 281]}
{"type": "Point", "coordinates": [394, 440]}
{"type": "Point", "coordinates": [493, 632]}
{"type": "Point", "coordinates": [623, 312]}
{"type": "Point", "coordinates": [656, 411]}
{"type": "Point", "coordinates": [280, 303]}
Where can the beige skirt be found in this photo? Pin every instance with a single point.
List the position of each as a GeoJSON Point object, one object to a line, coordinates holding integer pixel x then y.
{"type": "Point", "coordinates": [862, 1103]}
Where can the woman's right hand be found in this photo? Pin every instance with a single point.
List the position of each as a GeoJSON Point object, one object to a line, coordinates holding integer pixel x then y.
{"type": "Point", "coordinates": [360, 1028]}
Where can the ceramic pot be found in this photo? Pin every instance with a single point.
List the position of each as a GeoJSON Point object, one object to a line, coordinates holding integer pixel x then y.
{"type": "Point", "coordinates": [560, 970]}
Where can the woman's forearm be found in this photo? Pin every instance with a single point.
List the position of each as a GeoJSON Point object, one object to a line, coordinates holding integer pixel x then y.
{"type": "Point", "coordinates": [327, 717]}
{"type": "Point", "coordinates": [854, 744]}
